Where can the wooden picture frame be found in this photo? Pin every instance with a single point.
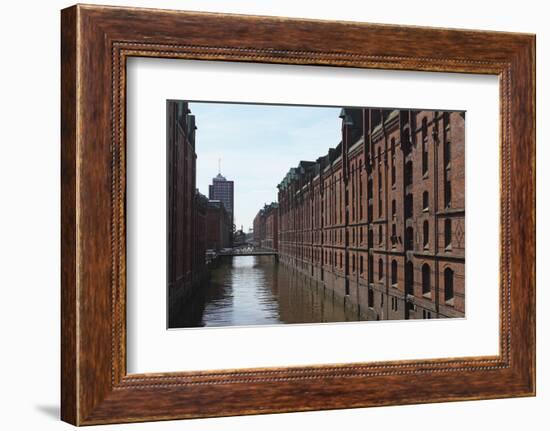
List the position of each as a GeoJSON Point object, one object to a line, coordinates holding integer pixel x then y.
{"type": "Point", "coordinates": [95, 43]}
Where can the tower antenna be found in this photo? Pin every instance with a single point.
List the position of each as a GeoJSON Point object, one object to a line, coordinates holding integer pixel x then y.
{"type": "Point", "coordinates": [219, 166]}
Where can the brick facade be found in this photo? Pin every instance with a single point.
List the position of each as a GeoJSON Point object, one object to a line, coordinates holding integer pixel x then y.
{"type": "Point", "coordinates": [380, 218]}
{"type": "Point", "coordinates": [186, 207]}
{"type": "Point", "coordinates": [266, 227]}
{"type": "Point", "coordinates": [218, 226]}
{"type": "Point", "coordinates": [199, 230]}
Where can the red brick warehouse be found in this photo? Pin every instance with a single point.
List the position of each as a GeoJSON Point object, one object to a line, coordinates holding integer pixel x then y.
{"type": "Point", "coordinates": [266, 227]}
{"type": "Point", "coordinates": [380, 219]}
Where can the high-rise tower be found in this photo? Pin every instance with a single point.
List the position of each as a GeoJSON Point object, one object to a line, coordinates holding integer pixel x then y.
{"type": "Point", "coordinates": [221, 189]}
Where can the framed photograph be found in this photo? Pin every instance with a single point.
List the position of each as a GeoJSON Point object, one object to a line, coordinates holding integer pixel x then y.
{"type": "Point", "coordinates": [264, 214]}
{"type": "Point", "coordinates": [327, 247]}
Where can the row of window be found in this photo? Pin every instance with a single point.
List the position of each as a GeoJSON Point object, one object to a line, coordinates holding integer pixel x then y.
{"type": "Point", "coordinates": [409, 274]}
{"type": "Point", "coordinates": [447, 194]}
{"type": "Point", "coordinates": [395, 304]}
{"type": "Point", "coordinates": [408, 180]}
{"type": "Point", "coordinates": [426, 279]}
{"type": "Point", "coordinates": [408, 235]}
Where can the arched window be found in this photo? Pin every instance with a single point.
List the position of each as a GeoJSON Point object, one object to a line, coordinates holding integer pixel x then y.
{"type": "Point", "coordinates": [447, 154]}
{"type": "Point", "coordinates": [426, 233]}
{"type": "Point", "coordinates": [448, 233]}
{"type": "Point", "coordinates": [360, 191]}
{"type": "Point", "coordinates": [379, 193]}
{"type": "Point", "coordinates": [409, 206]}
{"type": "Point", "coordinates": [353, 264]}
{"type": "Point", "coordinates": [426, 288]}
{"type": "Point", "coordinates": [424, 147]}
{"type": "Point", "coordinates": [361, 268]}
{"type": "Point", "coordinates": [449, 284]}
{"type": "Point", "coordinates": [371, 270]}
{"type": "Point", "coordinates": [409, 278]}
{"type": "Point", "coordinates": [424, 128]}
{"type": "Point", "coordinates": [394, 273]}
{"type": "Point", "coordinates": [380, 269]}
{"type": "Point", "coordinates": [393, 208]}
{"type": "Point", "coordinates": [409, 238]}
{"type": "Point", "coordinates": [405, 142]}
{"type": "Point", "coordinates": [447, 193]}
{"type": "Point", "coordinates": [392, 161]}
{"type": "Point", "coordinates": [408, 173]}
{"type": "Point", "coordinates": [380, 235]}
{"type": "Point", "coordinates": [425, 201]}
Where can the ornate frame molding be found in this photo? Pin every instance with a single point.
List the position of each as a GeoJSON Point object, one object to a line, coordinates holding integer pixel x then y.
{"type": "Point", "coordinates": [96, 41]}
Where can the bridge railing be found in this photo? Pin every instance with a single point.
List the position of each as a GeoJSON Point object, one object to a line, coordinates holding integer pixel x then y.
{"type": "Point", "coordinates": [247, 251]}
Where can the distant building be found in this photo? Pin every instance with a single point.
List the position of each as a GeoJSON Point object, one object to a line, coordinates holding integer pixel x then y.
{"type": "Point", "coordinates": [259, 228]}
{"type": "Point", "coordinates": [239, 238]}
{"type": "Point", "coordinates": [218, 226]}
{"type": "Point", "coordinates": [250, 236]}
{"type": "Point", "coordinates": [266, 227]}
{"type": "Point", "coordinates": [222, 190]}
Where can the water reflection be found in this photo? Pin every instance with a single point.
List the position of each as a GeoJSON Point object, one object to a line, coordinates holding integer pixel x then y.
{"type": "Point", "coordinates": [256, 290]}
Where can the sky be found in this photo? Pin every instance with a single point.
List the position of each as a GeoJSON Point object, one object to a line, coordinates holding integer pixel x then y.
{"type": "Point", "coordinates": [257, 145]}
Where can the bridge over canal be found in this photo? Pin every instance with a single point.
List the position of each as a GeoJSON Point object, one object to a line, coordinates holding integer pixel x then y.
{"type": "Point", "coordinates": [248, 252]}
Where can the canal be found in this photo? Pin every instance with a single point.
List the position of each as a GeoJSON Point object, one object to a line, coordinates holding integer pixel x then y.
{"type": "Point", "coordinates": [257, 290]}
